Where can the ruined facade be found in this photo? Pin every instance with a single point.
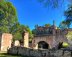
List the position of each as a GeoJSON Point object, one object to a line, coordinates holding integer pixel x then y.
{"type": "Point", "coordinates": [5, 41]}
{"type": "Point", "coordinates": [24, 42]}
{"type": "Point", "coordinates": [49, 37]}
{"type": "Point", "coordinates": [45, 37]}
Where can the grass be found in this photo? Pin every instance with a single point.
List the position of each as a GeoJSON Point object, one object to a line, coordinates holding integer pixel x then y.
{"type": "Point", "coordinates": [6, 55]}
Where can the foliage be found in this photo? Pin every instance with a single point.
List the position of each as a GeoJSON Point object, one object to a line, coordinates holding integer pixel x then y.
{"type": "Point", "coordinates": [63, 25]}
{"type": "Point", "coordinates": [38, 31]}
{"type": "Point", "coordinates": [8, 16]}
{"type": "Point", "coordinates": [9, 21]}
{"type": "Point", "coordinates": [47, 25]}
{"type": "Point", "coordinates": [30, 33]}
{"type": "Point", "coordinates": [68, 12]}
{"type": "Point", "coordinates": [18, 29]}
{"type": "Point", "coordinates": [69, 37]}
{"type": "Point", "coordinates": [67, 22]}
{"type": "Point", "coordinates": [68, 15]}
{"type": "Point", "coordinates": [65, 44]}
{"type": "Point", "coordinates": [54, 3]}
{"type": "Point", "coordinates": [59, 3]}
{"type": "Point", "coordinates": [34, 31]}
{"type": "Point", "coordinates": [51, 3]}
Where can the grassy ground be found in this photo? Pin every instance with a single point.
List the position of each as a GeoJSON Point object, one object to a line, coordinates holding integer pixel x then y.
{"type": "Point", "coordinates": [6, 55]}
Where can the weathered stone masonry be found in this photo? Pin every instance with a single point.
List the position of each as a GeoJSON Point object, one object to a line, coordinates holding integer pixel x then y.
{"type": "Point", "coordinates": [38, 53]}
{"type": "Point", "coordinates": [52, 36]}
{"type": "Point", "coordinates": [5, 41]}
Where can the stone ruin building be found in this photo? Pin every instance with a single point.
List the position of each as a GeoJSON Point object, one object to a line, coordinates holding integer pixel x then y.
{"type": "Point", "coordinates": [24, 42]}
{"type": "Point", "coordinates": [46, 37]}
{"type": "Point", "coordinates": [6, 41]}
{"type": "Point", "coordinates": [49, 37]}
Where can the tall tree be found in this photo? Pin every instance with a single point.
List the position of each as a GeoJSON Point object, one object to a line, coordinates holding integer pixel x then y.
{"type": "Point", "coordinates": [8, 16]}
{"type": "Point", "coordinates": [9, 21]}
{"type": "Point", "coordinates": [68, 15]}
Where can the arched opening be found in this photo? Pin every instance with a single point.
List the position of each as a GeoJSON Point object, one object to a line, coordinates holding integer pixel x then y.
{"type": "Point", "coordinates": [43, 45]}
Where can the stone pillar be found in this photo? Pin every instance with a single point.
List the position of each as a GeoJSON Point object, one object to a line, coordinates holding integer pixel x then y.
{"type": "Point", "coordinates": [26, 39]}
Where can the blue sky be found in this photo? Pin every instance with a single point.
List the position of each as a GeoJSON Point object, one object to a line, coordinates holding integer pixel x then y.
{"type": "Point", "coordinates": [31, 12]}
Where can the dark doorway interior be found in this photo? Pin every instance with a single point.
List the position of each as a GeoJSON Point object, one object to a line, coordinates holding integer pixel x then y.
{"type": "Point", "coordinates": [43, 45]}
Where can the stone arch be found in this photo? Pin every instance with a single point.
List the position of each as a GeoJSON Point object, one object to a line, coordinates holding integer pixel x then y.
{"type": "Point", "coordinates": [47, 39]}
{"type": "Point", "coordinates": [43, 45]}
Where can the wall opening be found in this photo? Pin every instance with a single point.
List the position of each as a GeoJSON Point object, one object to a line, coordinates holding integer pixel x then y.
{"type": "Point", "coordinates": [43, 45]}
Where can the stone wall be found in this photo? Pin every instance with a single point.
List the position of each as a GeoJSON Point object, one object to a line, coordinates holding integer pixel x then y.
{"type": "Point", "coordinates": [47, 39]}
{"type": "Point", "coordinates": [38, 53]}
{"type": "Point", "coordinates": [52, 40]}
{"type": "Point", "coordinates": [5, 41]}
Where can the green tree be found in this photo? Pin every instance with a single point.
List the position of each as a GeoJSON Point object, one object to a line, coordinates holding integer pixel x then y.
{"type": "Point", "coordinates": [8, 16]}
{"type": "Point", "coordinates": [68, 20]}
{"type": "Point", "coordinates": [47, 25]}
{"type": "Point", "coordinates": [68, 15]}
{"type": "Point", "coordinates": [18, 29]}
{"type": "Point", "coordinates": [9, 21]}
{"type": "Point", "coordinates": [63, 25]}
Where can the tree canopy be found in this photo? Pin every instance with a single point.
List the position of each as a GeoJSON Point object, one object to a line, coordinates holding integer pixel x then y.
{"type": "Point", "coordinates": [9, 21]}
{"type": "Point", "coordinates": [68, 18]}
{"type": "Point", "coordinates": [8, 16]}
{"type": "Point", "coordinates": [47, 25]}
{"type": "Point", "coordinates": [64, 24]}
{"type": "Point", "coordinates": [68, 15]}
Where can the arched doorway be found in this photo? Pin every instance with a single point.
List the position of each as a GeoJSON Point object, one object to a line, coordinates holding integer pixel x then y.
{"type": "Point", "coordinates": [43, 45]}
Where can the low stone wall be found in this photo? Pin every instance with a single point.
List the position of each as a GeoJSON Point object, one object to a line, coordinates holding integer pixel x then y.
{"type": "Point", "coordinates": [38, 53]}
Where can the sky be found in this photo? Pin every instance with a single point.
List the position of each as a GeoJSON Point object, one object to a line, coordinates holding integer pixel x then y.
{"type": "Point", "coordinates": [31, 12]}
